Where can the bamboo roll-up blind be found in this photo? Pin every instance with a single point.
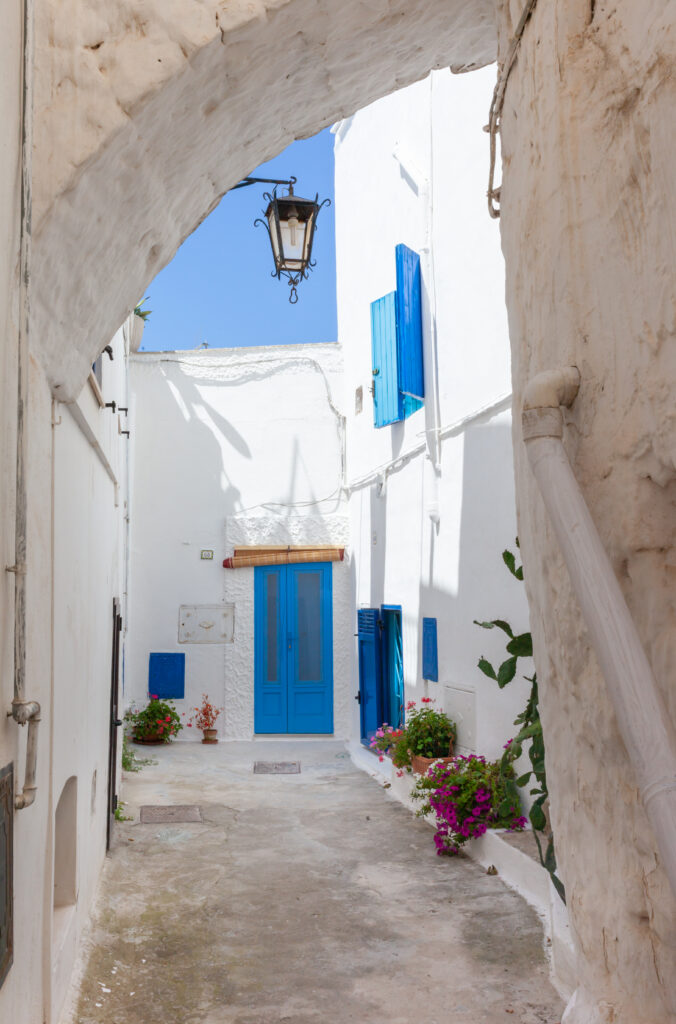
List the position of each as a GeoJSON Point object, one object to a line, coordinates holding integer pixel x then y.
{"type": "Point", "coordinates": [244, 557]}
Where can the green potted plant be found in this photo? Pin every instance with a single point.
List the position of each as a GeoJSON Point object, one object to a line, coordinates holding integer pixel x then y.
{"type": "Point", "coordinates": [428, 736]}
{"type": "Point", "coordinates": [138, 323]}
{"type": "Point", "coordinates": [158, 722]}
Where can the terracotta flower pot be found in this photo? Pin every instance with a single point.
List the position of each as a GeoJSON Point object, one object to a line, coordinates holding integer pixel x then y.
{"type": "Point", "coordinates": [152, 738]}
{"type": "Point", "coordinates": [420, 764]}
{"type": "Point", "coordinates": [210, 736]}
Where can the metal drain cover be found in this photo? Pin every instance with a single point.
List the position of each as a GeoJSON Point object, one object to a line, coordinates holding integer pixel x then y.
{"type": "Point", "coordinates": [276, 768]}
{"type": "Point", "coordinates": [169, 814]}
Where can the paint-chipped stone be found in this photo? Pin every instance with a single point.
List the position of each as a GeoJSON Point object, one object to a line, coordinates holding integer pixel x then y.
{"type": "Point", "coordinates": [156, 815]}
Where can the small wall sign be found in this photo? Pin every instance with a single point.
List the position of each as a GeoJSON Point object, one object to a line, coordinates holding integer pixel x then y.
{"type": "Point", "coordinates": [206, 624]}
{"type": "Point", "coordinates": [206, 556]}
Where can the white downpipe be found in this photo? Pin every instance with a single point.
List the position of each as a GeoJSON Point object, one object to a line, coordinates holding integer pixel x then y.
{"type": "Point", "coordinates": [642, 717]}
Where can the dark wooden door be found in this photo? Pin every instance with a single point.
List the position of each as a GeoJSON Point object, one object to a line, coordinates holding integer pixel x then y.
{"type": "Point", "coordinates": [115, 722]}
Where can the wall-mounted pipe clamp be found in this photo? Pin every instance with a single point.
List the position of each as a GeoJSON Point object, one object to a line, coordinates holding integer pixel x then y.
{"type": "Point", "coordinates": [27, 712]}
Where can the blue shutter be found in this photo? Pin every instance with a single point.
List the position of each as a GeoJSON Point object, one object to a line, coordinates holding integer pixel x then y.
{"type": "Point", "coordinates": [369, 670]}
{"type": "Point", "coordinates": [430, 657]}
{"type": "Point", "coordinates": [387, 400]}
{"type": "Point", "coordinates": [166, 676]}
{"type": "Point", "coordinates": [410, 373]}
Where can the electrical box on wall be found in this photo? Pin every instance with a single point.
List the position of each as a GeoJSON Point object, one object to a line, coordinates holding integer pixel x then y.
{"type": "Point", "coordinates": [460, 704]}
{"type": "Point", "coordinates": [206, 624]}
{"type": "Point", "coordinates": [6, 870]}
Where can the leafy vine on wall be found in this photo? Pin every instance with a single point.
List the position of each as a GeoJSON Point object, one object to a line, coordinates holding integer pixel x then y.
{"type": "Point", "coordinates": [530, 728]}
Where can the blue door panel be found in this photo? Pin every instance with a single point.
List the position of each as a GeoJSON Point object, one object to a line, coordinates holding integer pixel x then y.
{"type": "Point", "coordinates": [310, 647]}
{"type": "Point", "coordinates": [387, 400]}
{"type": "Point", "coordinates": [370, 672]}
{"type": "Point", "coordinates": [393, 667]}
{"type": "Point", "coordinates": [270, 711]}
{"type": "Point", "coordinates": [293, 649]}
{"type": "Point", "coordinates": [409, 326]}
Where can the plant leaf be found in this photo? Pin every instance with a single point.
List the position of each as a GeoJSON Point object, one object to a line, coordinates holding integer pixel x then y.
{"type": "Point", "coordinates": [487, 668]}
{"type": "Point", "coordinates": [500, 623]}
{"type": "Point", "coordinates": [506, 672]}
{"type": "Point", "coordinates": [521, 646]}
{"type": "Point", "coordinates": [537, 817]}
{"type": "Point", "coordinates": [510, 561]}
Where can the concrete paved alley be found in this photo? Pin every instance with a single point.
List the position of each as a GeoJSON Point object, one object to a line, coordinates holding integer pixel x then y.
{"type": "Point", "coordinates": [300, 899]}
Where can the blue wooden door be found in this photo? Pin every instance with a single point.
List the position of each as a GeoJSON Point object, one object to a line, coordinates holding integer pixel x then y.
{"type": "Point", "coordinates": [370, 671]}
{"type": "Point", "coordinates": [293, 657]}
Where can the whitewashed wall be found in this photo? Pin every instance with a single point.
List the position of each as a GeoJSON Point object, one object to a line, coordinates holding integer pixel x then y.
{"type": "Point", "coordinates": [89, 530]}
{"type": "Point", "coordinates": [236, 446]}
{"type": "Point", "coordinates": [406, 171]}
{"type": "Point", "coordinates": [75, 566]}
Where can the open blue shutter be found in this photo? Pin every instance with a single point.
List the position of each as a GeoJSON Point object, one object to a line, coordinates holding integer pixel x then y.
{"type": "Point", "coordinates": [430, 657]}
{"type": "Point", "coordinates": [387, 400]}
{"type": "Point", "coordinates": [369, 669]}
{"type": "Point", "coordinates": [409, 329]}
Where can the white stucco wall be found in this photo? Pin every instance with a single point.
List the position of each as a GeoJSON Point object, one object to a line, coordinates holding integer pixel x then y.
{"type": "Point", "coordinates": [236, 446]}
{"type": "Point", "coordinates": [88, 573]}
{"type": "Point", "coordinates": [74, 569]}
{"type": "Point", "coordinates": [406, 170]}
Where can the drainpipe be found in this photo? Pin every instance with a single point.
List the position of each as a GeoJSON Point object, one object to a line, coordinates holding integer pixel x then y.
{"type": "Point", "coordinates": [24, 711]}
{"type": "Point", "coordinates": [642, 717]}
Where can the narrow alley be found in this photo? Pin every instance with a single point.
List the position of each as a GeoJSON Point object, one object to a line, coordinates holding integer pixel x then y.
{"type": "Point", "coordinates": [298, 898]}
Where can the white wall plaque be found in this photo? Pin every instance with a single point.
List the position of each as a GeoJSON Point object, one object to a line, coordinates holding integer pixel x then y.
{"type": "Point", "coordinates": [206, 624]}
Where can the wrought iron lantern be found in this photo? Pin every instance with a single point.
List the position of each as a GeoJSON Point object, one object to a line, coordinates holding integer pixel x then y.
{"type": "Point", "coordinates": [290, 222]}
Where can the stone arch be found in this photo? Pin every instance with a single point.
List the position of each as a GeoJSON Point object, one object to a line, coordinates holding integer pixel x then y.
{"type": "Point", "coordinates": [176, 105]}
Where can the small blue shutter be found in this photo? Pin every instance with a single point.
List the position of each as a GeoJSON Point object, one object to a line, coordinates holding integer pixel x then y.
{"type": "Point", "coordinates": [430, 657]}
{"type": "Point", "coordinates": [369, 670]}
{"type": "Point", "coordinates": [166, 676]}
{"type": "Point", "coordinates": [410, 373]}
{"type": "Point", "coordinates": [387, 400]}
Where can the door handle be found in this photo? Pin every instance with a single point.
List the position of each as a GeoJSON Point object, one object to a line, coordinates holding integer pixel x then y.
{"type": "Point", "coordinates": [117, 721]}
{"type": "Point", "coordinates": [357, 697]}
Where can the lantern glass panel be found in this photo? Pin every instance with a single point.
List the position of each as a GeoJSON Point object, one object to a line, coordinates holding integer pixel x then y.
{"type": "Point", "coordinates": [309, 233]}
{"type": "Point", "coordinates": [274, 237]}
{"type": "Point", "coordinates": [293, 241]}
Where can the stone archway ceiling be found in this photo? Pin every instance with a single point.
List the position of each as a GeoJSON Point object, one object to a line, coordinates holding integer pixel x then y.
{"type": "Point", "coordinates": [147, 113]}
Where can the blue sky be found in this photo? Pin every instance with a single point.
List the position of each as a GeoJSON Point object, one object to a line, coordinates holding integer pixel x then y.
{"type": "Point", "coordinates": [219, 289]}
